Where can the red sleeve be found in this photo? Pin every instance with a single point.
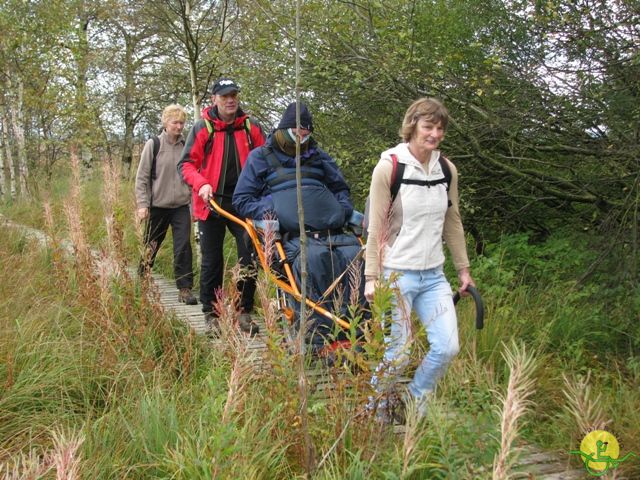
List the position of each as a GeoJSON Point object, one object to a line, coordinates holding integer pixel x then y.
{"type": "Point", "coordinates": [192, 155]}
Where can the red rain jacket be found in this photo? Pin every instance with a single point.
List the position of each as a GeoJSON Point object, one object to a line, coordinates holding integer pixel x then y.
{"type": "Point", "coordinates": [197, 171]}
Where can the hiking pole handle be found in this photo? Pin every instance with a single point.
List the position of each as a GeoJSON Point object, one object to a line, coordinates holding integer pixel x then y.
{"type": "Point", "coordinates": [473, 291]}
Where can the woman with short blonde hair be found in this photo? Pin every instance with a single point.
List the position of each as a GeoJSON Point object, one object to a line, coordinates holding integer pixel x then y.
{"type": "Point", "coordinates": [427, 108]}
{"type": "Point", "coordinates": [173, 112]}
{"type": "Point", "coordinates": [164, 200]}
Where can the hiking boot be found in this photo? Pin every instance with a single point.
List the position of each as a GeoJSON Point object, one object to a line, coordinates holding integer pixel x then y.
{"type": "Point", "coordinates": [247, 325]}
{"type": "Point", "coordinates": [397, 409]}
{"type": "Point", "coordinates": [379, 409]}
{"type": "Point", "coordinates": [211, 324]}
{"type": "Point", "coordinates": [185, 296]}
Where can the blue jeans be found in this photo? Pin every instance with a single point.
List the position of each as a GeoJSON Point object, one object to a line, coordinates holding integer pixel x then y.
{"type": "Point", "coordinates": [428, 293]}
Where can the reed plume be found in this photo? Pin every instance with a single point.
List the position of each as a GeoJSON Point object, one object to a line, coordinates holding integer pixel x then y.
{"type": "Point", "coordinates": [63, 458]}
{"type": "Point", "coordinates": [114, 248]}
{"type": "Point", "coordinates": [65, 455]}
{"type": "Point", "coordinates": [241, 375]}
{"type": "Point", "coordinates": [412, 433]}
{"type": "Point", "coordinates": [515, 403]}
{"type": "Point", "coordinates": [583, 406]}
{"type": "Point", "coordinates": [355, 282]}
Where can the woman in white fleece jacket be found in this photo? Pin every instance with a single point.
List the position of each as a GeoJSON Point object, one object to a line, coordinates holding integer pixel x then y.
{"type": "Point", "coordinates": [405, 238]}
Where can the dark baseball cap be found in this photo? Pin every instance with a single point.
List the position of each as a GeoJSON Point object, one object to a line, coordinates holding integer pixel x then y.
{"type": "Point", "coordinates": [224, 86]}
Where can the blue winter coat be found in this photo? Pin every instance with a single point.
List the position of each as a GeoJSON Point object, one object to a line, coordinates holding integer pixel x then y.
{"type": "Point", "coordinates": [254, 197]}
{"type": "Point", "coordinates": [326, 204]}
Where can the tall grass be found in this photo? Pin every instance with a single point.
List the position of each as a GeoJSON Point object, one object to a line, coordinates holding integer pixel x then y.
{"type": "Point", "coordinates": [515, 403]}
{"type": "Point", "coordinates": [92, 368]}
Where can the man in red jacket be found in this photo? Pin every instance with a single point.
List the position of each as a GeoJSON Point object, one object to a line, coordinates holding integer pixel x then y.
{"type": "Point", "coordinates": [214, 154]}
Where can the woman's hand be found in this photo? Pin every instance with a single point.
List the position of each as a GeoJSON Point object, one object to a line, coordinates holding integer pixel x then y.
{"type": "Point", "coordinates": [369, 290]}
{"type": "Point", "coordinates": [142, 213]}
{"type": "Point", "coordinates": [464, 277]}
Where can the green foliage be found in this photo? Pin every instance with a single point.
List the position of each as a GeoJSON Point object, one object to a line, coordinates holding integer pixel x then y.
{"type": "Point", "coordinates": [516, 269]}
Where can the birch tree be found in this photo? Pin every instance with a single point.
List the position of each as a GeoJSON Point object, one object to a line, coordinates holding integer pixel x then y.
{"type": "Point", "coordinates": [202, 30]}
{"type": "Point", "coordinates": [8, 155]}
{"type": "Point", "coordinates": [3, 186]}
{"type": "Point", "coordinates": [132, 41]}
{"type": "Point", "coordinates": [16, 109]}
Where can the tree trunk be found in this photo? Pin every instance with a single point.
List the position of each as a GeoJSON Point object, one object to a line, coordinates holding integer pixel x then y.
{"type": "Point", "coordinates": [17, 124]}
{"type": "Point", "coordinates": [309, 450]}
{"type": "Point", "coordinates": [193, 56]}
{"type": "Point", "coordinates": [84, 117]}
{"type": "Point", "coordinates": [195, 98]}
{"type": "Point", "coordinates": [129, 117]}
{"type": "Point", "coordinates": [8, 153]}
{"type": "Point", "coordinates": [3, 186]}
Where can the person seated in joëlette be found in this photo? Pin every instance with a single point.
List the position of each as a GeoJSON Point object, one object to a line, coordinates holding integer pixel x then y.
{"type": "Point", "coordinates": [266, 189]}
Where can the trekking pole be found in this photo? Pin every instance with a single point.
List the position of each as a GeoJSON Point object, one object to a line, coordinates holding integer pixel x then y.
{"type": "Point", "coordinates": [479, 305]}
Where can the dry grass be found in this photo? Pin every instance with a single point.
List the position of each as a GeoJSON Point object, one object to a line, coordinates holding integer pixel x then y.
{"type": "Point", "coordinates": [234, 344]}
{"type": "Point", "coordinates": [355, 282]}
{"type": "Point", "coordinates": [63, 459]}
{"type": "Point", "coordinates": [115, 234]}
{"type": "Point", "coordinates": [412, 434]}
{"type": "Point", "coordinates": [515, 403]}
{"type": "Point", "coordinates": [584, 407]}
{"type": "Point", "coordinates": [242, 372]}
{"type": "Point", "coordinates": [74, 218]}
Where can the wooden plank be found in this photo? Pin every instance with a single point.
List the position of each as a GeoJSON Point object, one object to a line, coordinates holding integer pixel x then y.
{"type": "Point", "coordinates": [567, 475]}
{"type": "Point", "coordinates": [539, 469]}
{"type": "Point", "coordinates": [539, 457]}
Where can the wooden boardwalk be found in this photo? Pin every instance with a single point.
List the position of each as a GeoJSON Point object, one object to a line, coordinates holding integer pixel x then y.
{"type": "Point", "coordinates": [534, 463]}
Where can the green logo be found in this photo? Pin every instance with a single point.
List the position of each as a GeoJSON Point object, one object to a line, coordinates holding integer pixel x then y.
{"type": "Point", "coordinates": [599, 451]}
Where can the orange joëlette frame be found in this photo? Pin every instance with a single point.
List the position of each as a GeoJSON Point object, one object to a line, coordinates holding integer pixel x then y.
{"type": "Point", "coordinates": [290, 287]}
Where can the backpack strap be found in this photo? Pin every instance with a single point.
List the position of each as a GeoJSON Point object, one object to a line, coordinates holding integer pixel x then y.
{"type": "Point", "coordinates": [247, 130]}
{"type": "Point", "coordinates": [209, 143]}
{"type": "Point", "coordinates": [446, 170]}
{"type": "Point", "coordinates": [397, 177]}
{"type": "Point", "coordinates": [397, 174]}
{"type": "Point", "coordinates": [271, 158]}
{"type": "Point", "coordinates": [281, 175]}
{"type": "Point", "coordinates": [154, 159]}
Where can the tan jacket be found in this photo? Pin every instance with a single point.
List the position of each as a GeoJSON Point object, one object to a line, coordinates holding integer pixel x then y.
{"type": "Point", "coordinates": [410, 238]}
{"type": "Point", "coordinates": [169, 191]}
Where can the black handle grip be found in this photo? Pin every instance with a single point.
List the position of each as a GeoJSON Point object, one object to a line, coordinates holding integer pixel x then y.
{"type": "Point", "coordinates": [479, 305]}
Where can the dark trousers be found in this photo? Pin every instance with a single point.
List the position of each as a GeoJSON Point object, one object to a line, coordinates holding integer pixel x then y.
{"type": "Point", "coordinates": [327, 258]}
{"type": "Point", "coordinates": [212, 232]}
{"type": "Point", "coordinates": [159, 221]}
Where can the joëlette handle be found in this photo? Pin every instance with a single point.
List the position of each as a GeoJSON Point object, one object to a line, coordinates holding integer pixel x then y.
{"type": "Point", "coordinates": [473, 291]}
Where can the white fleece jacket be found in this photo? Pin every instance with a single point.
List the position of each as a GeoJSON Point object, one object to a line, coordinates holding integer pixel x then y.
{"type": "Point", "coordinates": [409, 236]}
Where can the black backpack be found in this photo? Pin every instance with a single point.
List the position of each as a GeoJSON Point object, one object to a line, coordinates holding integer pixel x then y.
{"type": "Point", "coordinates": [154, 159]}
{"type": "Point", "coordinates": [397, 179]}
